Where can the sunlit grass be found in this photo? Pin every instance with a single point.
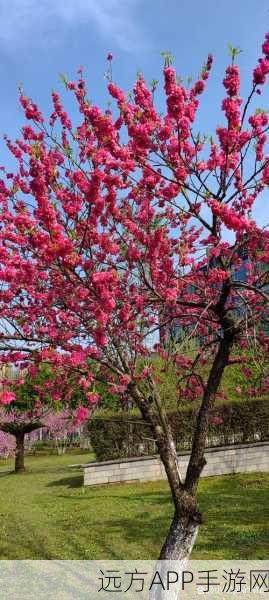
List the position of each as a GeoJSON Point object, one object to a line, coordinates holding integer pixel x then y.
{"type": "Point", "coordinates": [46, 513]}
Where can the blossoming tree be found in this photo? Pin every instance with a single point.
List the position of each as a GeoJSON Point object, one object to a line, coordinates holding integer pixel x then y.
{"type": "Point", "coordinates": [7, 445]}
{"type": "Point", "coordinates": [117, 226]}
{"type": "Point", "coordinates": [17, 425]}
{"type": "Point", "coordinates": [36, 402]}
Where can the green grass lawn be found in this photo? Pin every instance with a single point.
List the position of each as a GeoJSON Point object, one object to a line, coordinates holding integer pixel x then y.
{"type": "Point", "coordinates": [47, 514]}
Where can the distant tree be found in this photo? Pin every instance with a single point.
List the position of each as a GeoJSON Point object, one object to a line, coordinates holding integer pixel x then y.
{"type": "Point", "coordinates": [36, 401]}
{"type": "Point", "coordinates": [7, 445]}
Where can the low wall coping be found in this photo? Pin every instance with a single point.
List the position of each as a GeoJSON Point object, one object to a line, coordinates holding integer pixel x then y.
{"type": "Point", "coordinates": [157, 456]}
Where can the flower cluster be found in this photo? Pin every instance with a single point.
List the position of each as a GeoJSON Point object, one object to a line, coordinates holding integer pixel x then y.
{"type": "Point", "coordinates": [113, 231]}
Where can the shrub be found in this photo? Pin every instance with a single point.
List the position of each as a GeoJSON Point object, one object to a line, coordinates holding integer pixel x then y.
{"type": "Point", "coordinates": [123, 435]}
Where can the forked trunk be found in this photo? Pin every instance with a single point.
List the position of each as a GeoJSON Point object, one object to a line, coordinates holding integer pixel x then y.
{"type": "Point", "coordinates": [187, 518]}
{"type": "Point", "coordinates": [19, 452]}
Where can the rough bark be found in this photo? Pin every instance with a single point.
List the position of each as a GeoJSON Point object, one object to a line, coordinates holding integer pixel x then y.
{"type": "Point", "coordinates": [164, 441]}
{"type": "Point", "coordinates": [19, 452]}
{"type": "Point", "coordinates": [197, 459]}
{"type": "Point", "coordinates": [180, 539]}
{"type": "Point", "coordinates": [177, 547]}
{"type": "Point", "coordinates": [187, 518]}
{"type": "Point", "coordinates": [185, 524]}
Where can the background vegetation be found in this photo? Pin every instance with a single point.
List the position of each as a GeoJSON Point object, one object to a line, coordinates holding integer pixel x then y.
{"type": "Point", "coordinates": [123, 434]}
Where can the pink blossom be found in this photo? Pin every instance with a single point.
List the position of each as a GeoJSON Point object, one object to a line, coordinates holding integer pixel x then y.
{"type": "Point", "coordinates": [216, 420]}
{"type": "Point", "coordinates": [77, 358]}
{"type": "Point", "coordinates": [7, 397]}
{"type": "Point", "coordinates": [93, 397]}
{"type": "Point", "coordinates": [232, 80]}
{"type": "Point", "coordinates": [146, 372]}
{"type": "Point", "coordinates": [81, 415]}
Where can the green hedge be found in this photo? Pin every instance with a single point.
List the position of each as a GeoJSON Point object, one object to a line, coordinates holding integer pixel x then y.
{"type": "Point", "coordinates": [122, 435]}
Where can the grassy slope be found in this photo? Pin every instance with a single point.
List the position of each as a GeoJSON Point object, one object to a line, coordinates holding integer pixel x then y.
{"type": "Point", "coordinates": [47, 514]}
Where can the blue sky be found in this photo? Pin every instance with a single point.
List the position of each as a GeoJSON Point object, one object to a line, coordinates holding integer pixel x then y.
{"type": "Point", "coordinates": [41, 38]}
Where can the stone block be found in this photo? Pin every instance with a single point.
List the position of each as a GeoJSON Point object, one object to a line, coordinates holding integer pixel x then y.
{"type": "Point", "coordinates": [222, 461]}
{"type": "Point", "coordinates": [96, 481]}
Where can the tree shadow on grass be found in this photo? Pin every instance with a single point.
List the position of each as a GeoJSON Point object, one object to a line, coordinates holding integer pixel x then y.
{"type": "Point", "coordinates": [69, 482]}
{"type": "Point", "coordinates": [151, 498]}
{"type": "Point", "coordinates": [33, 543]}
{"type": "Point", "coordinates": [6, 473]}
{"type": "Point", "coordinates": [233, 524]}
{"type": "Point", "coordinates": [244, 542]}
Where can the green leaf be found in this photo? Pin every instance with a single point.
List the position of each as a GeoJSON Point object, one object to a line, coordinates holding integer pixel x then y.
{"type": "Point", "coordinates": [68, 151]}
{"type": "Point", "coordinates": [64, 79]}
{"type": "Point", "coordinates": [260, 111]}
{"type": "Point", "coordinates": [154, 84]}
{"type": "Point", "coordinates": [168, 58]}
{"type": "Point", "coordinates": [234, 51]}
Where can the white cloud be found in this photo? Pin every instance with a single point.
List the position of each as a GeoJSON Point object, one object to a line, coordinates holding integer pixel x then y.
{"type": "Point", "coordinates": [26, 20]}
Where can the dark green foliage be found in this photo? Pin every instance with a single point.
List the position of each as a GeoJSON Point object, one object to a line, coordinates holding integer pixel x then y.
{"type": "Point", "coordinates": [34, 388]}
{"type": "Point", "coordinates": [27, 394]}
{"type": "Point", "coordinates": [122, 435]}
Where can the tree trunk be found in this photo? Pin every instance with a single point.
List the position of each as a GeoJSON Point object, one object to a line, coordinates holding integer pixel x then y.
{"type": "Point", "coordinates": [180, 539]}
{"type": "Point", "coordinates": [187, 518]}
{"type": "Point", "coordinates": [177, 547]}
{"type": "Point", "coordinates": [197, 459]}
{"type": "Point", "coordinates": [19, 452]}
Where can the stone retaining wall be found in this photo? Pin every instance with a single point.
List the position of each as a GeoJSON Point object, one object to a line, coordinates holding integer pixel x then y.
{"type": "Point", "coordinates": [220, 461]}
